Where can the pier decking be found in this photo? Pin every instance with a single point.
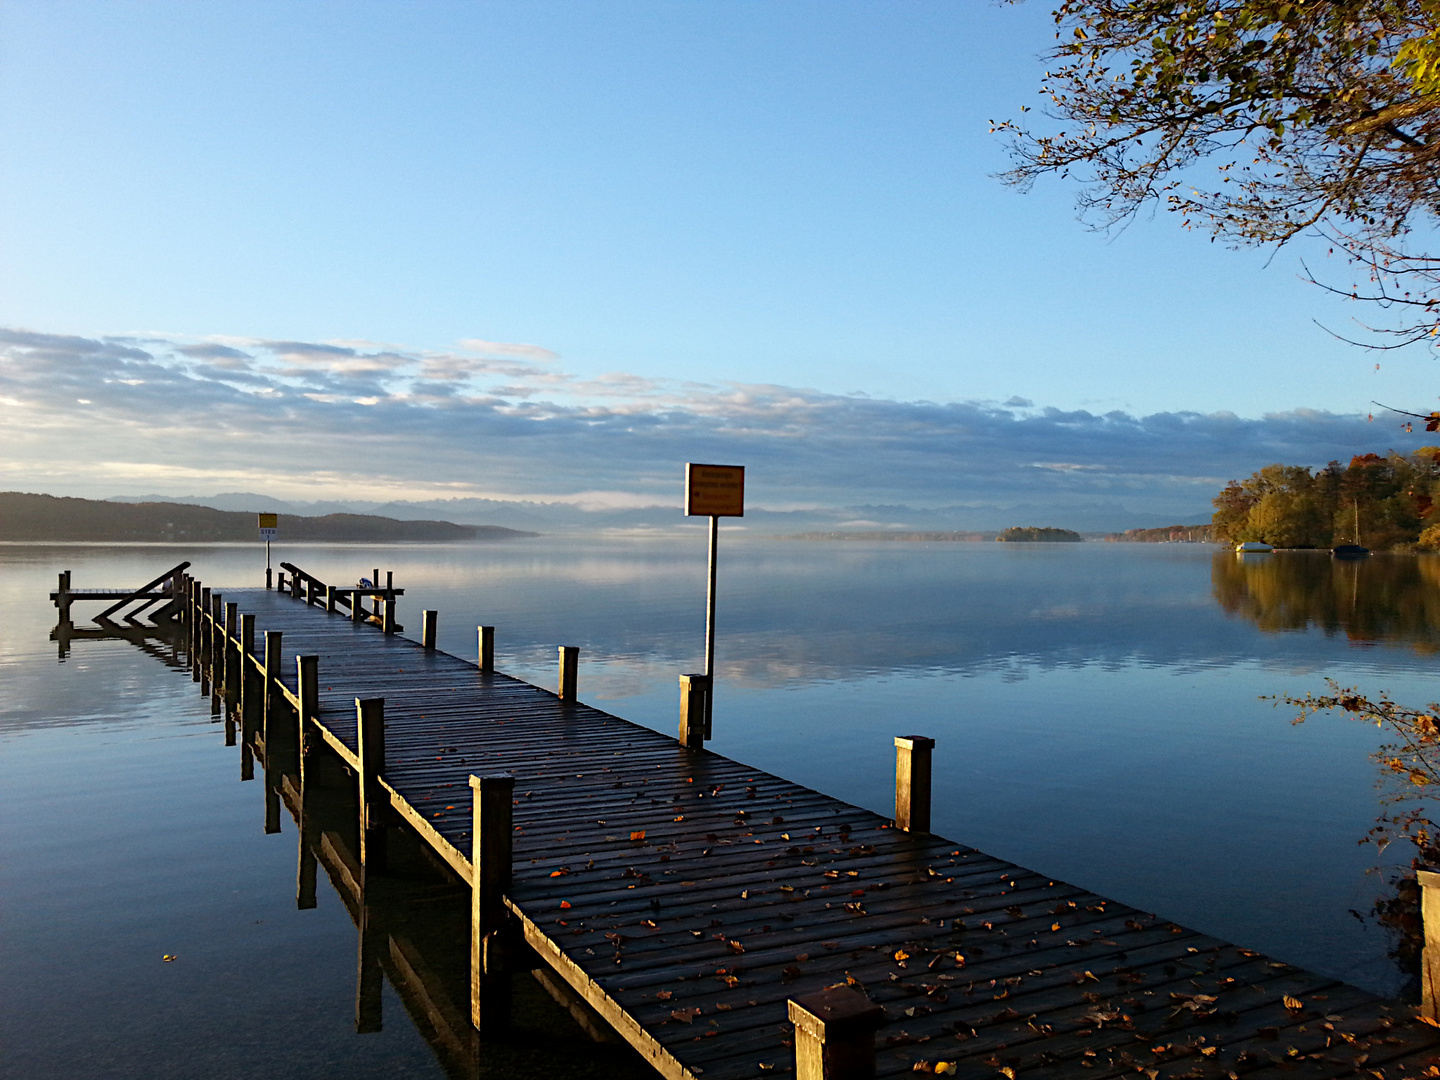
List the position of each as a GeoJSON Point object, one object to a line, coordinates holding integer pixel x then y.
{"type": "Point", "coordinates": [691, 900]}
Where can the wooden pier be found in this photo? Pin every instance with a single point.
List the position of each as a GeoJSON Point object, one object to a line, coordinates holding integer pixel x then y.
{"type": "Point", "coordinates": [723, 921]}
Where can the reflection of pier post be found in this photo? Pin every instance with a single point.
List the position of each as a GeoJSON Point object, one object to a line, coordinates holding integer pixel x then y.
{"type": "Point", "coordinates": [306, 768]}
{"type": "Point", "coordinates": [369, 977]}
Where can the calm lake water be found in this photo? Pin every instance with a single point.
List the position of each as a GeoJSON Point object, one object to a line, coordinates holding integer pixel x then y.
{"type": "Point", "coordinates": [1096, 709]}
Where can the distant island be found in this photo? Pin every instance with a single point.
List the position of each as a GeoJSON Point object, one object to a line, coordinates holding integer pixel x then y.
{"type": "Point", "coordinates": [27, 517]}
{"type": "Point", "coordinates": [1166, 534]}
{"type": "Point", "coordinates": [890, 534]}
{"type": "Point", "coordinates": [1031, 534]}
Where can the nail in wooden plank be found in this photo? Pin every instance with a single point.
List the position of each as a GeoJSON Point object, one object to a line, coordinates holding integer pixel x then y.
{"type": "Point", "coordinates": [835, 1034]}
{"type": "Point", "coordinates": [491, 859]}
{"type": "Point", "coordinates": [912, 782]}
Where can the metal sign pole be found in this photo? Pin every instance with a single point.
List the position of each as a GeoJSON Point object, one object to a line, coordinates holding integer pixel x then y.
{"type": "Point", "coordinates": [710, 624]}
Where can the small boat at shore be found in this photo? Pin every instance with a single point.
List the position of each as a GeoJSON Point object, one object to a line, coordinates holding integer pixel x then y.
{"type": "Point", "coordinates": [1349, 551]}
{"type": "Point", "coordinates": [1252, 546]}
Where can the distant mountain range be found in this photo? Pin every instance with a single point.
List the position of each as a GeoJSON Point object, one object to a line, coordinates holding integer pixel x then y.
{"type": "Point", "coordinates": [563, 517]}
{"type": "Point", "coordinates": [45, 517]}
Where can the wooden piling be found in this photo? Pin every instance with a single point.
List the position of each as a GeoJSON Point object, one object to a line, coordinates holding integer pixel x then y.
{"type": "Point", "coordinates": [428, 620]}
{"type": "Point", "coordinates": [270, 699]}
{"type": "Point", "coordinates": [370, 729]}
{"type": "Point", "coordinates": [249, 696]}
{"type": "Point", "coordinates": [369, 976]}
{"type": "Point", "coordinates": [330, 598]}
{"type": "Point", "coordinates": [357, 607]}
{"type": "Point", "coordinates": [312, 591]}
{"type": "Point", "coordinates": [387, 621]}
{"type": "Point", "coordinates": [1430, 955]}
{"type": "Point", "coordinates": [835, 1034]}
{"type": "Point", "coordinates": [295, 584]}
{"type": "Point", "coordinates": [491, 858]}
{"type": "Point", "coordinates": [486, 635]}
{"type": "Point", "coordinates": [569, 671]}
{"type": "Point", "coordinates": [308, 683]}
{"type": "Point", "coordinates": [232, 659]}
{"type": "Point", "coordinates": [694, 694]}
{"type": "Point", "coordinates": [912, 782]}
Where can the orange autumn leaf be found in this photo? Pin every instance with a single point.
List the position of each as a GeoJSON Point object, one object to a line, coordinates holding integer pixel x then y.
{"type": "Point", "coordinates": [565, 903]}
{"type": "Point", "coordinates": [638, 834]}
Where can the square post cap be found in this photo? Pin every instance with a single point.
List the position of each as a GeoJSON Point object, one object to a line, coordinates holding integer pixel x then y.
{"type": "Point", "coordinates": [835, 1014]}
{"type": "Point", "coordinates": [492, 782]}
{"type": "Point", "coordinates": [1428, 878]}
{"type": "Point", "coordinates": [914, 742]}
{"type": "Point", "coordinates": [694, 680]}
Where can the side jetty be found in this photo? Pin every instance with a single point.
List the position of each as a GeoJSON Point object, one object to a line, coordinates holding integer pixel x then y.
{"type": "Point", "coordinates": [722, 921]}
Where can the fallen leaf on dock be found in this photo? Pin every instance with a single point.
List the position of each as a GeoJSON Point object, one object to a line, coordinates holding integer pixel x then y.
{"type": "Point", "coordinates": [685, 1016]}
{"type": "Point", "coordinates": [638, 834]}
{"type": "Point", "coordinates": [1292, 1003]}
{"type": "Point", "coordinates": [167, 958]}
{"type": "Point", "coordinates": [664, 995]}
{"type": "Point", "coordinates": [564, 904]}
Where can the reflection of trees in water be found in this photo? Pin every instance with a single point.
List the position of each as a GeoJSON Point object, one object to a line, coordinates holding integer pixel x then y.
{"type": "Point", "coordinates": [1384, 598]}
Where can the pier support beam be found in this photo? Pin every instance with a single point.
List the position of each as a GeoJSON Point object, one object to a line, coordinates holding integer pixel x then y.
{"type": "Point", "coordinates": [486, 635]}
{"type": "Point", "coordinates": [835, 1034]}
{"type": "Point", "coordinates": [569, 671]}
{"type": "Point", "coordinates": [694, 700]}
{"type": "Point", "coordinates": [912, 782]}
{"type": "Point", "coordinates": [491, 856]}
{"type": "Point", "coordinates": [370, 731]}
{"type": "Point", "coordinates": [1430, 957]}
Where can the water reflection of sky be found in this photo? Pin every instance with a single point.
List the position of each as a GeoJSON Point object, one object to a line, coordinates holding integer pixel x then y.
{"type": "Point", "coordinates": [1096, 707]}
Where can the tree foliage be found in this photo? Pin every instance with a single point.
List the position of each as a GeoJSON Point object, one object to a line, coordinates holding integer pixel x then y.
{"type": "Point", "coordinates": [1382, 502]}
{"type": "Point", "coordinates": [1316, 115]}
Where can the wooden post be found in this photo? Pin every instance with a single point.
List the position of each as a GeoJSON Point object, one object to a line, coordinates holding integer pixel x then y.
{"type": "Point", "coordinates": [1430, 956]}
{"type": "Point", "coordinates": [387, 621]}
{"type": "Point", "coordinates": [427, 629]}
{"type": "Point", "coordinates": [62, 596]}
{"type": "Point", "coordinates": [329, 597]}
{"type": "Point", "coordinates": [312, 591]}
{"type": "Point", "coordinates": [357, 607]}
{"type": "Point", "coordinates": [694, 693]}
{"type": "Point", "coordinates": [487, 647]}
{"type": "Point", "coordinates": [375, 596]}
{"type": "Point", "coordinates": [569, 669]}
{"type": "Point", "coordinates": [370, 732]}
{"type": "Point", "coordinates": [835, 1034]}
{"type": "Point", "coordinates": [295, 584]}
{"type": "Point", "coordinates": [202, 649]}
{"type": "Point", "coordinates": [308, 682]}
{"type": "Point", "coordinates": [249, 697]}
{"type": "Point", "coordinates": [280, 581]}
{"type": "Point", "coordinates": [269, 579]}
{"type": "Point", "coordinates": [491, 856]}
{"type": "Point", "coordinates": [912, 782]}
{"type": "Point", "coordinates": [269, 694]}
{"type": "Point", "coordinates": [389, 580]}
{"type": "Point", "coordinates": [232, 659]}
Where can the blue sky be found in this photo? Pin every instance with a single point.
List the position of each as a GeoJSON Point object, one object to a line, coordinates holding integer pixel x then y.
{"type": "Point", "coordinates": [709, 198]}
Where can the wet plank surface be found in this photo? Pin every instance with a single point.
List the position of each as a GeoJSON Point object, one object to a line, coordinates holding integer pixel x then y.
{"type": "Point", "coordinates": [700, 894]}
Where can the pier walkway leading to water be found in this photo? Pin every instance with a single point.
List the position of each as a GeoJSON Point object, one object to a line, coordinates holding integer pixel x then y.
{"type": "Point", "coordinates": [728, 923]}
